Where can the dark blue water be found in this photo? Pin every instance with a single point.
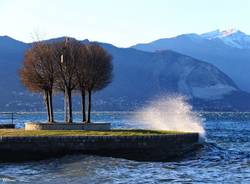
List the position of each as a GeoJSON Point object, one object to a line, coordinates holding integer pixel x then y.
{"type": "Point", "coordinates": [225, 158]}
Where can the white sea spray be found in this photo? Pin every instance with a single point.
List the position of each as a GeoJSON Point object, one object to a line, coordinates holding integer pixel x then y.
{"type": "Point", "coordinates": [170, 113]}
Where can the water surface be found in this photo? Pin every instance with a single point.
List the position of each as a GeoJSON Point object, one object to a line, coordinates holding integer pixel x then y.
{"type": "Point", "coordinates": [225, 158]}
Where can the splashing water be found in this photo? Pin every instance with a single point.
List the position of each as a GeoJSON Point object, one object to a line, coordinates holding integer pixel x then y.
{"type": "Point", "coordinates": [170, 113]}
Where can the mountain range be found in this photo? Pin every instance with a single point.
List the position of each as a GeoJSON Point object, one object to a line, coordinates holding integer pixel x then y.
{"type": "Point", "coordinates": [208, 69]}
{"type": "Point", "coordinates": [228, 50]}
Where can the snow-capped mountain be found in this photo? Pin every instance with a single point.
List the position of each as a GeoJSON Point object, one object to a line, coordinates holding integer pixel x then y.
{"type": "Point", "coordinates": [227, 50]}
{"type": "Point", "coordinates": [232, 37]}
{"type": "Point", "coordinates": [219, 34]}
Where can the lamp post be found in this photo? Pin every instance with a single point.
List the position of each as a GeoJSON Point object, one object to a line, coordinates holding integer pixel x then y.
{"type": "Point", "coordinates": [66, 104]}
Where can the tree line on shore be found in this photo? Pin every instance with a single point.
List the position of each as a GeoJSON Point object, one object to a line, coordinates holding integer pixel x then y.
{"type": "Point", "coordinates": [65, 67]}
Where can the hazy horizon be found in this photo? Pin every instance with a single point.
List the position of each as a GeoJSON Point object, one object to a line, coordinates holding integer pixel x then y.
{"type": "Point", "coordinates": [122, 23]}
{"type": "Point", "coordinates": [35, 39]}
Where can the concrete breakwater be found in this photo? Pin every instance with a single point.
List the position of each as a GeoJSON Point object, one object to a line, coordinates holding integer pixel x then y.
{"type": "Point", "coordinates": [64, 126]}
{"type": "Point", "coordinates": [141, 148]}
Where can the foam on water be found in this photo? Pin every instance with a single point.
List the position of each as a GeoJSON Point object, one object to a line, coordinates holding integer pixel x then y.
{"type": "Point", "coordinates": [170, 113]}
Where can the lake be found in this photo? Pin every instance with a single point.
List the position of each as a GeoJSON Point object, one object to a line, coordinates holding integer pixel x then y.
{"type": "Point", "coordinates": [225, 157]}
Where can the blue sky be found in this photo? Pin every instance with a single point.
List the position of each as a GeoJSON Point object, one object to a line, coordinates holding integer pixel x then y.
{"type": "Point", "coordinates": [120, 22]}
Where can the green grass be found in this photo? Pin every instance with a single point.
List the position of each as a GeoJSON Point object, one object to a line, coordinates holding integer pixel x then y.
{"type": "Point", "coordinates": [118, 132]}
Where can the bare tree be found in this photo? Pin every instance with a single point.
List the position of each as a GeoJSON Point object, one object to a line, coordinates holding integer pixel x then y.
{"type": "Point", "coordinates": [67, 60]}
{"type": "Point", "coordinates": [66, 66]}
{"type": "Point", "coordinates": [97, 69]}
{"type": "Point", "coordinates": [38, 74]}
{"type": "Point", "coordinates": [80, 78]}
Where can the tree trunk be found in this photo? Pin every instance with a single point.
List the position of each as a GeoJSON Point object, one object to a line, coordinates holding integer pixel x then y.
{"type": "Point", "coordinates": [89, 106]}
{"type": "Point", "coordinates": [70, 107]}
{"type": "Point", "coordinates": [51, 107]}
{"type": "Point", "coordinates": [83, 106]}
{"type": "Point", "coordinates": [46, 101]}
{"type": "Point", "coordinates": [66, 105]}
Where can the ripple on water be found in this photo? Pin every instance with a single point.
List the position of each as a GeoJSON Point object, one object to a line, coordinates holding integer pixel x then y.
{"type": "Point", "coordinates": [225, 158]}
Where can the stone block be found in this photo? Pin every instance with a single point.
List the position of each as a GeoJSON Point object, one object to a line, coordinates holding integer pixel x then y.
{"type": "Point", "coordinates": [65, 126]}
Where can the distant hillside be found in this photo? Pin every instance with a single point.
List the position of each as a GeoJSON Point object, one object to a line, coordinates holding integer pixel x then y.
{"type": "Point", "coordinates": [11, 55]}
{"type": "Point", "coordinates": [228, 50]}
{"type": "Point", "coordinates": [139, 76]}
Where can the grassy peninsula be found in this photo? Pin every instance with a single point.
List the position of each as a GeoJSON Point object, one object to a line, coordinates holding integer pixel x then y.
{"type": "Point", "coordinates": [116, 132]}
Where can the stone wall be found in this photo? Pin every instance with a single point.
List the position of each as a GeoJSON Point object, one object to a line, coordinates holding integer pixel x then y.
{"type": "Point", "coordinates": [144, 148]}
{"type": "Point", "coordinates": [64, 126]}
